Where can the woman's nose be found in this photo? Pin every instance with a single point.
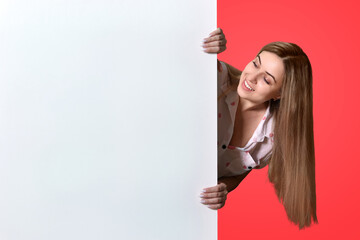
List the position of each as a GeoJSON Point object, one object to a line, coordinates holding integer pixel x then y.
{"type": "Point", "coordinates": [253, 79]}
{"type": "Point", "coordinates": [254, 76]}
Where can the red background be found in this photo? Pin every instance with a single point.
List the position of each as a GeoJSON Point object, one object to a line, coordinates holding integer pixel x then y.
{"type": "Point", "coordinates": [329, 33]}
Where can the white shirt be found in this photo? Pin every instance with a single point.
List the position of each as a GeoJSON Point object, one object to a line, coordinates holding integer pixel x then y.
{"type": "Point", "coordinates": [232, 160]}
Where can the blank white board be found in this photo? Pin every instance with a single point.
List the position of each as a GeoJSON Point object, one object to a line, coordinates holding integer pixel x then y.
{"type": "Point", "coordinates": [107, 119]}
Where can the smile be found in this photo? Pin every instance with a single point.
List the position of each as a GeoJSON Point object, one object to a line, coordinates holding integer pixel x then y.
{"type": "Point", "coordinates": [248, 86]}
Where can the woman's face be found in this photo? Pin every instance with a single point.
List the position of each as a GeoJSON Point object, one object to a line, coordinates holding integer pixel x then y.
{"type": "Point", "coordinates": [262, 78]}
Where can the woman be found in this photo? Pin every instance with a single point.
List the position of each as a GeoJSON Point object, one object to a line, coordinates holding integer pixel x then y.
{"type": "Point", "coordinates": [265, 117]}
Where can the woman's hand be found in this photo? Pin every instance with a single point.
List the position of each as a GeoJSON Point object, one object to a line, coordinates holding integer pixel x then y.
{"type": "Point", "coordinates": [214, 197]}
{"type": "Point", "coordinates": [215, 43]}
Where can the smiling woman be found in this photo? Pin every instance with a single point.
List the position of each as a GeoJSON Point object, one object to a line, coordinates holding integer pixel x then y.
{"type": "Point", "coordinates": [257, 85]}
{"type": "Point", "coordinates": [265, 118]}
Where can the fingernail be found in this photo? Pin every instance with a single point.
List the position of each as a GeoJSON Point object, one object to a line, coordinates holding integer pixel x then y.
{"type": "Point", "coordinates": [202, 201]}
{"type": "Point", "coordinates": [204, 190]}
{"type": "Point", "coordinates": [202, 195]}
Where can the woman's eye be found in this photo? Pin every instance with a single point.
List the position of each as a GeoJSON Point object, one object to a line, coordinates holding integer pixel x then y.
{"type": "Point", "coordinates": [254, 64]}
{"type": "Point", "coordinates": [266, 81]}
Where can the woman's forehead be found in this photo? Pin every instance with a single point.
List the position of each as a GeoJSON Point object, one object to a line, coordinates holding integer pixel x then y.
{"type": "Point", "coordinates": [272, 63]}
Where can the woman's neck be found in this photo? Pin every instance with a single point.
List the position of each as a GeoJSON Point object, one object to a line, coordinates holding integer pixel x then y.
{"type": "Point", "coordinates": [246, 105]}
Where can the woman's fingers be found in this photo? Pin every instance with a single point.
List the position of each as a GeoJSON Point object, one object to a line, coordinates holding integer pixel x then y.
{"type": "Point", "coordinates": [213, 195]}
{"type": "Point", "coordinates": [216, 206]}
{"type": "Point", "coordinates": [215, 49]}
{"type": "Point", "coordinates": [212, 200]}
{"type": "Point", "coordinates": [215, 44]}
{"type": "Point", "coordinates": [216, 31]}
{"type": "Point", "coordinates": [214, 38]}
{"type": "Point", "coordinates": [214, 203]}
{"type": "Point", "coordinates": [218, 188]}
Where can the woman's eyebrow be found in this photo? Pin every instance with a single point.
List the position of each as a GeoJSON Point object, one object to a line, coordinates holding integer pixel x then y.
{"type": "Point", "coordinates": [266, 71]}
{"type": "Point", "coordinates": [259, 59]}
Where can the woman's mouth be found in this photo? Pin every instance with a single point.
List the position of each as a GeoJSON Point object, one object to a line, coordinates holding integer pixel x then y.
{"type": "Point", "coordinates": [246, 86]}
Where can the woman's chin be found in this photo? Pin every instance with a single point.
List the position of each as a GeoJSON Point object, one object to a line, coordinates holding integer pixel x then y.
{"type": "Point", "coordinates": [242, 93]}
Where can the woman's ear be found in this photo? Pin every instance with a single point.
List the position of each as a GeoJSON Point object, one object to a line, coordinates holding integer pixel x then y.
{"type": "Point", "coordinates": [278, 95]}
{"type": "Point", "coordinates": [277, 98]}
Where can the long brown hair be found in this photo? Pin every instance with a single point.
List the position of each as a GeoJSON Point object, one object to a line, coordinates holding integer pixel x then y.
{"type": "Point", "coordinates": [292, 164]}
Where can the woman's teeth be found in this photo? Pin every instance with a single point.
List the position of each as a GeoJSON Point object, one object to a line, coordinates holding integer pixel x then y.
{"type": "Point", "coordinates": [247, 85]}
